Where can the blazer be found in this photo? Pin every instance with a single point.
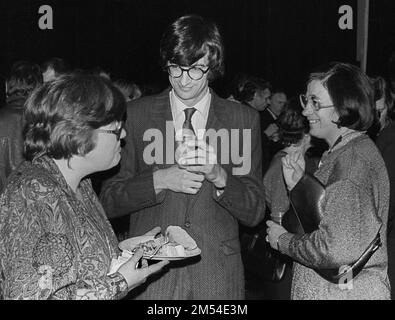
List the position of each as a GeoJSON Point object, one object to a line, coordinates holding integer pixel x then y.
{"type": "Point", "coordinates": [211, 220]}
{"type": "Point", "coordinates": [11, 141]}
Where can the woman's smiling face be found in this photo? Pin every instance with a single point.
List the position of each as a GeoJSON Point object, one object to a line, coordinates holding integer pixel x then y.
{"type": "Point", "coordinates": [321, 121]}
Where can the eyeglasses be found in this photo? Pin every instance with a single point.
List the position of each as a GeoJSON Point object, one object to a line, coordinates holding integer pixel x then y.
{"type": "Point", "coordinates": [314, 101]}
{"type": "Point", "coordinates": [194, 72]}
{"type": "Point", "coordinates": [117, 132]}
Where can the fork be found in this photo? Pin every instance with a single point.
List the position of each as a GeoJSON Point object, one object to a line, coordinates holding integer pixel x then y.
{"type": "Point", "coordinates": [158, 247]}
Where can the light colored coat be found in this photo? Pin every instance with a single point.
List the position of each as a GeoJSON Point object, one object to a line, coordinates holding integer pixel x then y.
{"type": "Point", "coordinates": [354, 209]}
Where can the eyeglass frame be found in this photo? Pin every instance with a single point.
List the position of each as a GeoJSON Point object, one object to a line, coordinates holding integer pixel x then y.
{"type": "Point", "coordinates": [116, 132]}
{"type": "Point", "coordinates": [304, 106]}
{"type": "Point", "coordinates": [167, 68]}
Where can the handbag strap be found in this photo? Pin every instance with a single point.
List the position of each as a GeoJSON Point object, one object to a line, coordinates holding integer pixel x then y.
{"type": "Point", "coordinates": [305, 199]}
{"type": "Point", "coordinates": [352, 270]}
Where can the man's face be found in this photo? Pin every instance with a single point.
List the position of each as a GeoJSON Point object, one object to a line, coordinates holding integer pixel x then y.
{"type": "Point", "coordinates": [191, 91]}
{"type": "Point", "coordinates": [261, 99]}
{"type": "Point", "coordinates": [277, 102]}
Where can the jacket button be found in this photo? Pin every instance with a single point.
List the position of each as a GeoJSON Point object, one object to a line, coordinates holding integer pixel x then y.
{"type": "Point", "coordinates": [187, 224]}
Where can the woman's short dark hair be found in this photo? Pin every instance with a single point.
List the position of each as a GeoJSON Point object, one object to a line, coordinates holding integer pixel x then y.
{"type": "Point", "coordinates": [61, 115]}
{"type": "Point", "coordinates": [292, 124]}
{"type": "Point", "coordinates": [352, 94]}
{"type": "Point", "coordinates": [190, 38]}
{"type": "Point", "coordinates": [23, 77]}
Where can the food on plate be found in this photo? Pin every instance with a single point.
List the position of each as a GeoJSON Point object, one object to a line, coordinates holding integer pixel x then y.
{"type": "Point", "coordinates": [177, 243]}
{"type": "Point", "coordinates": [172, 250]}
{"type": "Point", "coordinates": [179, 235]}
{"type": "Point", "coordinates": [149, 246]}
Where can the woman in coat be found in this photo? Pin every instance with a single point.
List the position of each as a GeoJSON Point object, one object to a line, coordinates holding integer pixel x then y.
{"type": "Point", "coordinates": [339, 107]}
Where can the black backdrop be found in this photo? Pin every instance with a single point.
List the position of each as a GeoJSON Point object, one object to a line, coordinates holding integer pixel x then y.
{"type": "Point", "coordinates": [280, 40]}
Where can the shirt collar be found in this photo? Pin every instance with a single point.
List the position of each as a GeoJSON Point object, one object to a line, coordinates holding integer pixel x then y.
{"type": "Point", "coordinates": [201, 106]}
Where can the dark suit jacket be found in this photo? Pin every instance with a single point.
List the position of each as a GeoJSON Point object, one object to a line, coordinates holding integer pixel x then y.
{"type": "Point", "coordinates": [211, 220]}
{"type": "Point", "coordinates": [266, 119]}
{"type": "Point", "coordinates": [269, 147]}
{"type": "Point", "coordinates": [11, 141]}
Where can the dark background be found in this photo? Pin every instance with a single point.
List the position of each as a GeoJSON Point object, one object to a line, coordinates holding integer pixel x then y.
{"type": "Point", "coordinates": [279, 40]}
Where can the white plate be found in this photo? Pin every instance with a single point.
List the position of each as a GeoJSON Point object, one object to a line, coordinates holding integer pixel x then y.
{"type": "Point", "coordinates": [131, 243]}
{"type": "Point", "coordinates": [189, 253]}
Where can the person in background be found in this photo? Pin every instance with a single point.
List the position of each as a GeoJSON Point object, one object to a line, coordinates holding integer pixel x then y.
{"type": "Point", "coordinates": [269, 125]}
{"type": "Point", "coordinates": [53, 68]}
{"type": "Point", "coordinates": [277, 103]}
{"type": "Point", "coordinates": [23, 77]}
{"type": "Point", "coordinates": [130, 90]}
{"type": "Point", "coordinates": [385, 141]}
{"type": "Point", "coordinates": [384, 102]}
{"type": "Point", "coordinates": [208, 199]}
{"type": "Point", "coordinates": [55, 239]}
{"type": "Point", "coordinates": [339, 105]}
{"type": "Point", "coordinates": [255, 92]}
{"type": "Point", "coordinates": [236, 87]}
{"type": "Point", "coordinates": [294, 136]}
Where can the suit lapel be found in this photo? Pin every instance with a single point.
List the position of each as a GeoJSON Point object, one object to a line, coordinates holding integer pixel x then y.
{"type": "Point", "coordinates": [214, 115]}
{"type": "Point", "coordinates": [161, 115]}
{"type": "Point", "coordinates": [161, 111]}
{"type": "Point", "coordinates": [213, 122]}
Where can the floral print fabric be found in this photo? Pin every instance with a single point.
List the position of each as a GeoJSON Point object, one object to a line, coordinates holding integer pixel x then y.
{"type": "Point", "coordinates": [52, 244]}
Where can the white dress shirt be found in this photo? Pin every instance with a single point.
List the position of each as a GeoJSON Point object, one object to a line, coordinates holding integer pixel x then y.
{"type": "Point", "coordinates": [199, 118]}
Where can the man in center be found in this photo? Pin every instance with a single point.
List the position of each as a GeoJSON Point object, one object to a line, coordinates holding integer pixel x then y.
{"type": "Point", "coordinates": [207, 200]}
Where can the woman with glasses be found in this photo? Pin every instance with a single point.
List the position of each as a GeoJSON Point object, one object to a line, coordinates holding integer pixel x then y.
{"type": "Point", "coordinates": [55, 239]}
{"type": "Point", "coordinates": [339, 106]}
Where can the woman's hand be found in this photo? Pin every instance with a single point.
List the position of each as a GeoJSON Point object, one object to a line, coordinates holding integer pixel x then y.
{"type": "Point", "coordinates": [136, 276]}
{"type": "Point", "coordinates": [293, 168]}
{"type": "Point", "coordinates": [274, 231]}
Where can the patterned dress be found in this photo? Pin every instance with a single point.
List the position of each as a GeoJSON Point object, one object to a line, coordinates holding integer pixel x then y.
{"type": "Point", "coordinates": [52, 245]}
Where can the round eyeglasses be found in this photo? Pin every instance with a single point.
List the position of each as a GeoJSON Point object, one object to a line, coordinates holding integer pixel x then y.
{"type": "Point", "coordinates": [194, 72]}
{"type": "Point", "coordinates": [314, 101]}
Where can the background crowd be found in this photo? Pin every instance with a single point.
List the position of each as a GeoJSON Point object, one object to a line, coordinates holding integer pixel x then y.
{"type": "Point", "coordinates": [62, 118]}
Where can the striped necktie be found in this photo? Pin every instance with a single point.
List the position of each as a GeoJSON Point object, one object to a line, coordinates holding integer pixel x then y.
{"type": "Point", "coordinates": [187, 125]}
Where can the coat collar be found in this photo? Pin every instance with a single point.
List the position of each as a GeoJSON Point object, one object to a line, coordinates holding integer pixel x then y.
{"type": "Point", "coordinates": [48, 165]}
